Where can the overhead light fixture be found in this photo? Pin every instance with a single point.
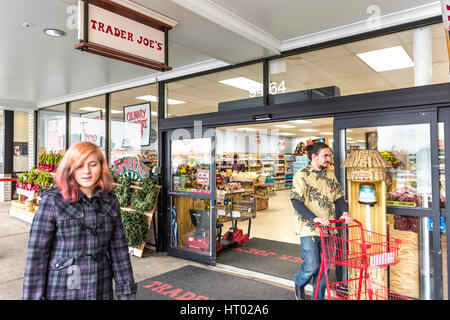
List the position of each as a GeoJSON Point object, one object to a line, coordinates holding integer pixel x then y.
{"type": "Point", "coordinates": [286, 134]}
{"type": "Point", "coordinates": [300, 121]}
{"type": "Point", "coordinates": [262, 117]}
{"type": "Point", "coordinates": [97, 109]}
{"type": "Point", "coordinates": [309, 130]}
{"type": "Point", "coordinates": [246, 129]}
{"type": "Point", "coordinates": [90, 109]}
{"type": "Point", "coordinates": [387, 59]}
{"type": "Point", "coordinates": [242, 83]}
{"type": "Point", "coordinates": [155, 99]}
{"type": "Point", "coordinates": [285, 126]}
{"type": "Point", "coordinates": [326, 133]}
{"type": "Point", "coordinates": [56, 33]}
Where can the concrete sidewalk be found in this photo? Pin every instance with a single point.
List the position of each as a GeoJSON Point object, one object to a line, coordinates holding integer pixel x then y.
{"type": "Point", "coordinates": [13, 253]}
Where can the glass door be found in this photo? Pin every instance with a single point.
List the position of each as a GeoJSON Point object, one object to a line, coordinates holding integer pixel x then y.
{"type": "Point", "coordinates": [444, 184]}
{"type": "Point", "coordinates": [409, 142]}
{"type": "Point", "coordinates": [191, 196]}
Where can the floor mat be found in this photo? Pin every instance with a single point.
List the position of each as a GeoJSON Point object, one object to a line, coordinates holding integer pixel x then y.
{"type": "Point", "coordinates": [276, 258]}
{"type": "Point", "coordinates": [195, 283]}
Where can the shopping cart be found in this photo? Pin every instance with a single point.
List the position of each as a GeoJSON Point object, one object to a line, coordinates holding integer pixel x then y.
{"type": "Point", "coordinates": [353, 247]}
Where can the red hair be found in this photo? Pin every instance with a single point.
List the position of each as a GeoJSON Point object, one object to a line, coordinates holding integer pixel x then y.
{"type": "Point", "coordinates": [74, 157]}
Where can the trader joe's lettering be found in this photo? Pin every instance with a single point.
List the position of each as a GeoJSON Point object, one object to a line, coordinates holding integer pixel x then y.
{"type": "Point", "coordinates": [126, 35]}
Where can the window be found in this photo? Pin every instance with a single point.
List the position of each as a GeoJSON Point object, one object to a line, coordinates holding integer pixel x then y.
{"type": "Point", "coordinates": [52, 129]}
{"type": "Point", "coordinates": [221, 91]}
{"type": "Point", "coordinates": [375, 64]}
{"type": "Point", "coordinates": [87, 121]}
{"type": "Point", "coordinates": [134, 124]}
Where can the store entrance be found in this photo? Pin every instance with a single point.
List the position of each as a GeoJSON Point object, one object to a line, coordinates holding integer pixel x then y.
{"type": "Point", "coordinates": [255, 165]}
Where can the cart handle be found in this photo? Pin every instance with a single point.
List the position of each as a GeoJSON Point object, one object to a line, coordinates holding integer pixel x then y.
{"type": "Point", "coordinates": [340, 221]}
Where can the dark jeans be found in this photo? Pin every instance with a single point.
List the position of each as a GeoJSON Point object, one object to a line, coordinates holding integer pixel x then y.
{"type": "Point", "coordinates": [310, 250]}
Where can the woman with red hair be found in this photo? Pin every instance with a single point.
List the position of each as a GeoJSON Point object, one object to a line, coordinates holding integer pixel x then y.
{"type": "Point", "coordinates": [77, 243]}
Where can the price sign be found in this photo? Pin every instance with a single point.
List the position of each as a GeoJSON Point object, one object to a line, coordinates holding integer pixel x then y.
{"type": "Point", "coordinates": [203, 177]}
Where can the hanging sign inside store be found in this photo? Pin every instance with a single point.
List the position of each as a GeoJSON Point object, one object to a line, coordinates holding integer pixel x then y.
{"type": "Point", "coordinates": [139, 114]}
{"type": "Point", "coordinates": [124, 31]}
{"type": "Point", "coordinates": [130, 167]}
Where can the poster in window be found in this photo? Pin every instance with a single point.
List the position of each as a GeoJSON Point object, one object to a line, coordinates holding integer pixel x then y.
{"type": "Point", "coordinates": [139, 114]}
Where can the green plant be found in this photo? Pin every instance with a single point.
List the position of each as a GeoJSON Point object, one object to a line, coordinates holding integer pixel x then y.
{"type": "Point", "coordinates": [145, 198]}
{"type": "Point", "coordinates": [123, 192]}
{"type": "Point", "coordinates": [135, 225]}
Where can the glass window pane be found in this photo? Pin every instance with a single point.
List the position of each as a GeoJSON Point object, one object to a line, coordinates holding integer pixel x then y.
{"type": "Point", "coordinates": [407, 149]}
{"type": "Point", "coordinates": [137, 134]}
{"type": "Point", "coordinates": [441, 144]}
{"type": "Point", "coordinates": [191, 224]}
{"type": "Point", "coordinates": [52, 129]}
{"type": "Point", "coordinates": [412, 276]}
{"type": "Point", "coordinates": [341, 70]}
{"type": "Point", "coordinates": [87, 121]}
{"type": "Point", "coordinates": [2, 142]}
{"type": "Point", "coordinates": [20, 157]}
{"type": "Point", "coordinates": [225, 90]}
{"type": "Point", "coordinates": [191, 164]}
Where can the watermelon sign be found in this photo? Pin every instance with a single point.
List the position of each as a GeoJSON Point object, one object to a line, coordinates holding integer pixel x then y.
{"type": "Point", "coordinates": [130, 167]}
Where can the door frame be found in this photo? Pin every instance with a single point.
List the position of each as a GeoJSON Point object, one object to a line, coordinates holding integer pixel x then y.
{"type": "Point", "coordinates": [444, 116]}
{"type": "Point", "coordinates": [403, 117]}
{"type": "Point", "coordinates": [177, 251]}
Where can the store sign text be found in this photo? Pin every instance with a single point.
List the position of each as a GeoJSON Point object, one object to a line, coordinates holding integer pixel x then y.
{"type": "Point", "coordinates": [130, 167]}
{"type": "Point", "coordinates": [112, 30]}
{"type": "Point", "coordinates": [274, 88]}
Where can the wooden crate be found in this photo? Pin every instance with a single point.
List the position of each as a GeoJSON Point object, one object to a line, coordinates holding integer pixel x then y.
{"type": "Point", "coordinates": [404, 276]}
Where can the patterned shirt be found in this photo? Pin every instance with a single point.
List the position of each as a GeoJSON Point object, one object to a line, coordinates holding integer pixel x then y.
{"type": "Point", "coordinates": [318, 191]}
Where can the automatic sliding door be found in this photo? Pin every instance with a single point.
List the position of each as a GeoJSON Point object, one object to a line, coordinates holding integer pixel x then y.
{"type": "Point", "coordinates": [409, 143]}
{"type": "Point", "coordinates": [192, 221]}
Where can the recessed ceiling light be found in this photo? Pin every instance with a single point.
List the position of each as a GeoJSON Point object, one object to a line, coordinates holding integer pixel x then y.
{"type": "Point", "coordinates": [90, 109]}
{"type": "Point", "coordinates": [155, 99]}
{"type": "Point", "coordinates": [300, 121]}
{"type": "Point", "coordinates": [387, 59]}
{"type": "Point", "coordinates": [55, 33]}
{"type": "Point", "coordinates": [286, 134]}
{"type": "Point", "coordinates": [247, 129]}
{"type": "Point", "coordinates": [285, 126]}
{"type": "Point", "coordinates": [309, 130]}
{"type": "Point", "coordinates": [242, 83]}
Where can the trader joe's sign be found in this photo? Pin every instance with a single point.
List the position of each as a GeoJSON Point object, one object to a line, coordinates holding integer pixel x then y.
{"type": "Point", "coordinates": [130, 167]}
{"type": "Point", "coordinates": [124, 32]}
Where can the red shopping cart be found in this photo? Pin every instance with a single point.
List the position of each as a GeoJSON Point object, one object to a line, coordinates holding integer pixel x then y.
{"type": "Point", "coordinates": [353, 247]}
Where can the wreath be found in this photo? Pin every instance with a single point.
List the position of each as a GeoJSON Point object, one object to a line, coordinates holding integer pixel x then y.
{"type": "Point", "coordinates": [135, 225]}
{"type": "Point", "coordinates": [145, 198]}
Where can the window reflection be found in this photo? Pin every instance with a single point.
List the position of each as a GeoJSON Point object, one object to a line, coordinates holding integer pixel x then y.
{"type": "Point", "coordinates": [407, 149]}
{"type": "Point", "coordinates": [191, 160]}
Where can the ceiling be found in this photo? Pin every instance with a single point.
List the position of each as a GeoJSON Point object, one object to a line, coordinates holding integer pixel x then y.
{"type": "Point", "coordinates": [38, 71]}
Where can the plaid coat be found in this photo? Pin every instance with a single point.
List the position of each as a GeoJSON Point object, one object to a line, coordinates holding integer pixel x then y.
{"type": "Point", "coordinates": [75, 250]}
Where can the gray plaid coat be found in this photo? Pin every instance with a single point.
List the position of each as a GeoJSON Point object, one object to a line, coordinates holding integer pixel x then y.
{"type": "Point", "coordinates": [75, 250]}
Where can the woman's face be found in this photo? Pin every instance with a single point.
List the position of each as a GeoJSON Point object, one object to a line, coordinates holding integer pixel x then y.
{"type": "Point", "coordinates": [88, 173]}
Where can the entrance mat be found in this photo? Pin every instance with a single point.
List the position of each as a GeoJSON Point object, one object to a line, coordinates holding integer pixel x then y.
{"type": "Point", "coordinates": [195, 283]}
{"type": "Point", "coordinates": [275, 258]}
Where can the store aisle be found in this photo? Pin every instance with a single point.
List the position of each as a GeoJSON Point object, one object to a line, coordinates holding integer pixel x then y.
{"type": "Point", "coordinates": [274, 223]}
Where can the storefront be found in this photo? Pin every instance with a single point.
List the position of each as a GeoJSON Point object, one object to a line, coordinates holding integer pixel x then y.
{"type": "Point", "coordinates": [399, 110]}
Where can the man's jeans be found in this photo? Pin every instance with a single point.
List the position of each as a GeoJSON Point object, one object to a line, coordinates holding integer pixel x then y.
{"type": "Point", "coordinates": [310, 250]}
